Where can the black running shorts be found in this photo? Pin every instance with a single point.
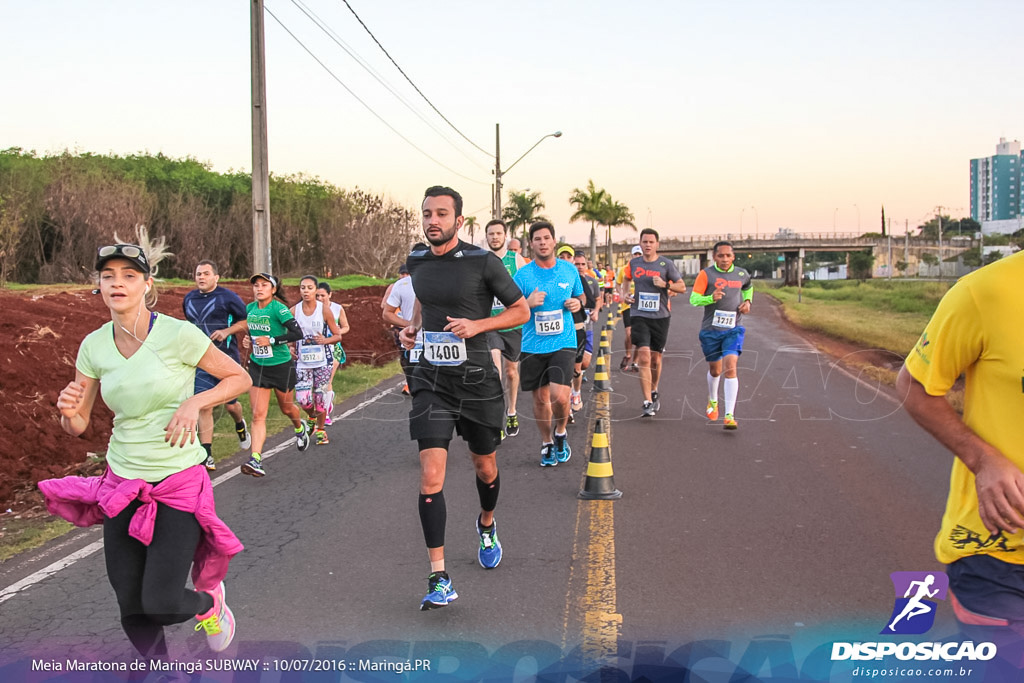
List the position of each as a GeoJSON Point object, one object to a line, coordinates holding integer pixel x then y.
{"type": "Point", "coordinates": [540, 369]}
{"type": "Point", "coordinates": [280, 377]}
{"type": "Point", "coordinates": [509, 342]}
{"type": "Point", "coordinates": [467, 400]}
{"type": "Point", "coordinates": [650, 332]}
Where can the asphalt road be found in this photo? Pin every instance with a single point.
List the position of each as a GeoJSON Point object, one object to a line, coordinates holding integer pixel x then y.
{"type": "Point", "coordinates": [752, 549]}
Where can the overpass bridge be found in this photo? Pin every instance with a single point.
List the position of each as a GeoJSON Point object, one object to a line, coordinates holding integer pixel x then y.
{"type": "Point", "coordinates": [795, 245]}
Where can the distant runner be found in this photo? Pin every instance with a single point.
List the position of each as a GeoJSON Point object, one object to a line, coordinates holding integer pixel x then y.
{"type": "Point", "coordinates": [653, 277]}
{"type": "Point", "coordinates": [398, 305]}
{"type": "Point", "coordinates": [506, 345]}
{"type": "Point", "coordinates": [271, 328]}
{"type": "Point", "coordinates": [315, 357]}
{"type": "Point", "coordinates": [554, 291]}
{"type": "Point", "coordinates": [213, 309]}
{"type": "Point", "coordinates": [323, 295]}
{"type": "Point", "coordinates": [628, 363]}
{"type": "Point", "coordinates": [592, 309]}
{"type": "Point", "coordinates": [721, 334]}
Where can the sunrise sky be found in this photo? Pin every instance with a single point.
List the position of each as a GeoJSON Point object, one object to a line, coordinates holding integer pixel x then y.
{"type": "Point", "coordinates": [702, 117]}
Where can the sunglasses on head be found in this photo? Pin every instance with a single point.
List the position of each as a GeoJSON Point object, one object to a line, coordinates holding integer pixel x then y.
{"type": "Point", "coordinates": [128, 250]}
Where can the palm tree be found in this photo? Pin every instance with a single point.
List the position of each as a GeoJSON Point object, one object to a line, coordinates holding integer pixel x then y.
{"type": "Point", "coordinates": [614, 214]}
{"type": "Point", "coordinates": [588, 207]}
{"type": "Point", "coordinates": [522, 210]}
{"type": "Point", "coordinates": [470, 225]}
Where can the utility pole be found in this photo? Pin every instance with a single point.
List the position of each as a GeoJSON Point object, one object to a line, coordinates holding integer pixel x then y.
{"type": "Point", "coordinates": [496, 212]}
{"type": "Point", "coordinates": [261, 259]}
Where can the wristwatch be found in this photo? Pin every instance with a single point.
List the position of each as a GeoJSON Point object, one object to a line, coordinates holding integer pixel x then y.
{"type": "Point", "coordinates": [272, 340]}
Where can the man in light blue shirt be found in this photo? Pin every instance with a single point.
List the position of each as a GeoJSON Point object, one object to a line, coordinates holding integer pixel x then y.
{"type": "Point", "coordinates": [553, 291]}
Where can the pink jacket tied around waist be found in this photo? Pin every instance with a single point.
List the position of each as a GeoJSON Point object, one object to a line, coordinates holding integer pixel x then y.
{"type": "Point", "coordinates": [85, 501]}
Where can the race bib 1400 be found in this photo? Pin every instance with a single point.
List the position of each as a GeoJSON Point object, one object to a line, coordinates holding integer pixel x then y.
{"type": "Point", "coordinates": [444, 348]}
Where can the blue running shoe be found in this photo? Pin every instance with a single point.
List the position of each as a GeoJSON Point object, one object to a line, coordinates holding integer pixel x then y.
{"type": "Point", "coordinates": [562, 449]}
{"type": "Point", "coordinates": [440, 591]}
{"type": "Point", "coordinates": [490, 547]}
{"type": "Point", "coordinates": [547, 456]}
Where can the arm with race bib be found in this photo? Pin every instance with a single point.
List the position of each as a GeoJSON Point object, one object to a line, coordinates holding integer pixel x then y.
{"type": "Point", "coordinates": [294, 334]}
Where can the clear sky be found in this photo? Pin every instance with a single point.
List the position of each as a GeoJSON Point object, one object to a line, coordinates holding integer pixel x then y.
{"type": "Point", "coordinates": [703, 117]}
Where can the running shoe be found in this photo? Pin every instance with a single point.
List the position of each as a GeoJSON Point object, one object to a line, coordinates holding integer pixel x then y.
{"type": "Point", "coordinates": [244, 441]}
{"type": "Point", "coordinates": [547, 456]}
{"type": "Point", "coordinates": [489, 554]}
{"type": "Point", "coordinates": [302, 438]}
{"type": "Point", "coordinates": [624, 364]}
{"type": "Point", "coordinates": [577, 402]}
{"type": "Point", "coordinates": [219, 622]}
{"type": "Point", "coordinates": [729, 422]}
{"type": "Point", "coordinates": [254, 466]}
{"type": "Point", "coordinates": [572, 418]}
{"type": "Point", "coordinates": [321, 437]}
{"type": "Point", "coordinates": [712, 410]}
{"type": "Point", "coordinates": [648, 410]}
{"type": "Point", "coordinates": [327, 419]}
{"type": "Point", "coordinates": [634, 368]}
{"type": "Point", "coordinates": [655, 401]}
{"type": "Point", "coordinates": [211, 465]}
{"type": "Point", "coordinates": [562, 449]}
{"type": "Point", "coordinates": [512, 425]}
{"type": "Point", "coordinates": [440, 591]}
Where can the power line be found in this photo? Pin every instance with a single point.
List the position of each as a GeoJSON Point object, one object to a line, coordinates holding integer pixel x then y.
{"type": "Point", "coordinates": [413, 84]}
{"type": "Point", "coordinates": [360, 101]}
{"type": "Point", "coordinates": [330, 33]}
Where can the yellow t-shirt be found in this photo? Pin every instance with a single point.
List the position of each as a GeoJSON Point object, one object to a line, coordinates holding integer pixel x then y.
{"type": "Point", "coordinates": [978, 330]}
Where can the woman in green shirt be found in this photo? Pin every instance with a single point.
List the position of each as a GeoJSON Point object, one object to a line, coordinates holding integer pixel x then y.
{"type": "Point", "coordinates": [143, 366]}
{"type": "Point", "coordinates": [271, 328]}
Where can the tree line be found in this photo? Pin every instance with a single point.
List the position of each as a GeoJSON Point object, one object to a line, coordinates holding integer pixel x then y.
{"type": "Point", "coordinates": [55, 210]}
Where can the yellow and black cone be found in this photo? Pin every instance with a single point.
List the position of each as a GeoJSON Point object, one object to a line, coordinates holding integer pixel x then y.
{"type": "Point", "coordinates": [602, 380]}
{"type": "Point", "coordinates": [599, 483]}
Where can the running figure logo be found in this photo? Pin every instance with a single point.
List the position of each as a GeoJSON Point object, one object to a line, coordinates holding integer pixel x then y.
{"type": "Point", "coordinates": [914, 613]}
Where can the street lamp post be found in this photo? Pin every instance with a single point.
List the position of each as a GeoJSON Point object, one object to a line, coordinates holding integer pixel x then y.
{"type": "Point", "coordinates": [858, 218]}
{"type": "Point", "coordinates": [756, 221]}
{"type": "Point", "coordinates": [498, 172]}
{"type": "Point", "coordinates": [834, 214]}
{"type": "Point", "coordinates": [741, 221]}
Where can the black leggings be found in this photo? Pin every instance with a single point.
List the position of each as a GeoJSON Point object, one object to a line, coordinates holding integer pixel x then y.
{"type": "Point", "coordinates": [149, 581]}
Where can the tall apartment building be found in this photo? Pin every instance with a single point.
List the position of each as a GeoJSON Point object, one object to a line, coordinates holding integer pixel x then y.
{"type": "Point", "coordinates": [997, 185]}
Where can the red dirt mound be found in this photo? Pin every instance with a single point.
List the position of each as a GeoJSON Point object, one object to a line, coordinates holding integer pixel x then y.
{"type": "Point", "coordinates": [39, 336]}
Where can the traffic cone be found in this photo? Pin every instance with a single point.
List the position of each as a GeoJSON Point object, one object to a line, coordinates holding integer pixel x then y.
{"type": "Point", "coordinates": [599, 483]}
{"type": "Point", "coordinates": [602, 381]}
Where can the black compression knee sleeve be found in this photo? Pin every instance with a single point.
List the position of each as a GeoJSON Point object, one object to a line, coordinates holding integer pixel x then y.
{"type": "Point", "coordinates": [433, 517]}
{"type": "Point", "coordinates": [488, 493]}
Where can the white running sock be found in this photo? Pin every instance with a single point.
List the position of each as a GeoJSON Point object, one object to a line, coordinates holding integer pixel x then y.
{"type": "Point", "coordinates": [713, 387]}
{"type": "Point", "coordinates": [732, 388]}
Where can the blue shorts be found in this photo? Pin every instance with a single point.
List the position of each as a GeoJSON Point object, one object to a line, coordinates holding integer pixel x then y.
{"type": "Point", "coordinates": [988, 587]}
{"type": "Point", "coordinates": [718, 343]}
{"type": "Point", "coordinates": [205, 380]}
{"type": "Point", "coordinates": [588, 347]}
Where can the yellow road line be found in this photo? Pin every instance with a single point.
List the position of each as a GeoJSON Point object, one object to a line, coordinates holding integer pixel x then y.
{"type": "Point", "coordinates": [591, 605]}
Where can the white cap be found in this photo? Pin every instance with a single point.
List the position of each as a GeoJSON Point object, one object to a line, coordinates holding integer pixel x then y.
{"type": "Point", "coordinates": [636, 251]}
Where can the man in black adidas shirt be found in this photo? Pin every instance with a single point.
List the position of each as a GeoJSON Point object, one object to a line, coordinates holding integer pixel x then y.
{"type": "Point", "coordinates": [455, 384]}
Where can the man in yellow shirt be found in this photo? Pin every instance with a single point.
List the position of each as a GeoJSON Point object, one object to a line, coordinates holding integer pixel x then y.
{"type": "Point", "coordinates": [976, 331]}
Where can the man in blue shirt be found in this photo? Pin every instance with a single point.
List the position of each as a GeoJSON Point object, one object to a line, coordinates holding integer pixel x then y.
{"type": "Point", "coordinates": [213, 309]}
{"type": "Point", "coordinates": [554, 292]}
